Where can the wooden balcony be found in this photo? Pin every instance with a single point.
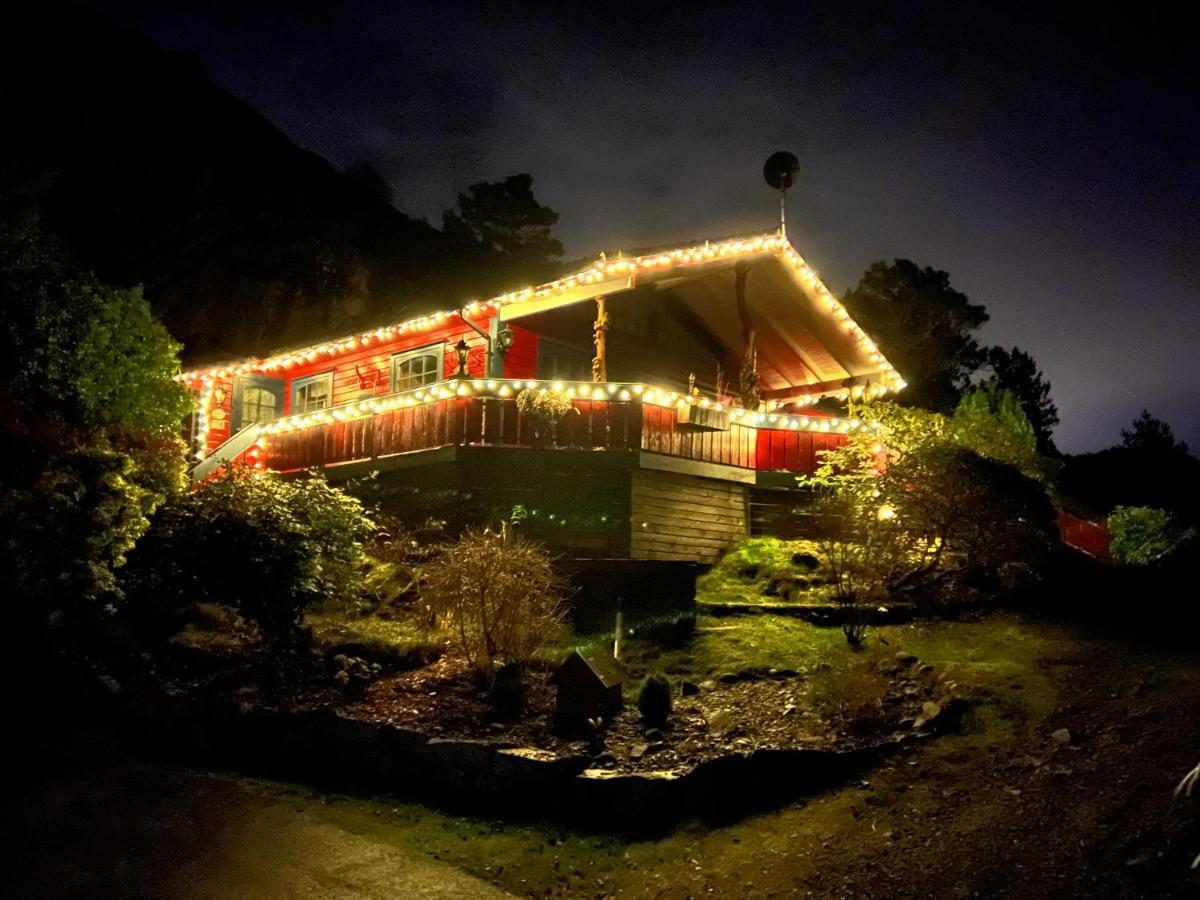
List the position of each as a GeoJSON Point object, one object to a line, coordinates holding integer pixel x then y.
{"type": "Point", "coordinates": [492, 421]}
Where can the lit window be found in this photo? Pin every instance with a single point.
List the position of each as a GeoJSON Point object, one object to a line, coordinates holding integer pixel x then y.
{"type": "Point", "coordinates": [258, 405]}
{"type": "Point", "coordinates": [417, 368]}
{"type": "Point", "coordinates": [312, 393]}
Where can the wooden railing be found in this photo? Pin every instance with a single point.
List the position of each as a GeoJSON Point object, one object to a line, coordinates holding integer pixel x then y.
{"type": "Point", "coordinates": [609, 424]}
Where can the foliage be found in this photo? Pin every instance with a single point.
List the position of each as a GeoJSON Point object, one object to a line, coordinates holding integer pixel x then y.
{"type": "Point", "coordinates": [757, 568]}
{"type": "Point", "coordinates": [1152, 435]}
{"type": "Point", "coordinates": [66, 534]}
{"type": "Point", "coordinates": [924, 326]}
{"type": "Point", "coordinates": [1016, 371]}
{"type": "Point", "coordinates": [991, 421]}
{"type": "Point", "coordinates": [266, 546]}
{"type": "Point", "coordinates": [499, 595]}
{"type": "Point", "coordinates": [920, 509]}
{"type": "Point", "coordinates": [504, 218]}
{"type": "Point", "coordinates": [1148, 468]}
{"type": "Point", "coordinates": [543, 409]}
{"type": "Point", "coordinates": [654, 700]}
{"type": "Point", "coordinates": [1142, 535]}
{"type": "Point", "coordinates": [94, 353]}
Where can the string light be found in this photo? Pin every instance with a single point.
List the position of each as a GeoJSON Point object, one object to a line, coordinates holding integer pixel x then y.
{"type": "Point", "coordinates": [601, 270]}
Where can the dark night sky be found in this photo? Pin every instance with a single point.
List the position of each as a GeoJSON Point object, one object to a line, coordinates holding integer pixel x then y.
{"type": "Point", "coordinates": [1048, 163]}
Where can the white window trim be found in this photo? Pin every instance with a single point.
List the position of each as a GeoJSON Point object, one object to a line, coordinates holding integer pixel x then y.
{"type": "Point", "coordinates": [299, 383]}
{"type": "Point", "coordinates": [437, 350]}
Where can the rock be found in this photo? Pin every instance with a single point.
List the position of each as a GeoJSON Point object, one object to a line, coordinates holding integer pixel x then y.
{"type": "Point", "coordinates": [604, 760]}
{"type": "Point", "coordinates": [496, 728]}
{"type": "Point", "coordinates": [688, 689]}
{"type": "Point", "coordinates": [719, 721]}
{"type": "Point", "coordinates": [729, 678]}
{"type": "Point", "coordinates": [653, 735]}
{"type": "Point", "coordinates": [1062, 736]}
{"type": "Point", "coordinates": [906, 659]}
{"type": "Point", "coordinates": [111, 684]}
{"type": "Point", "coordinates": [929, 712]}
{"type": "Point", "coordinates": [790, 709]}
{"type": "Point", "coordinates": [638, 751]}
{"type": "Point", "coordinates": [925, 670]}
{"type": "Point", "coordinates": [708, 685]}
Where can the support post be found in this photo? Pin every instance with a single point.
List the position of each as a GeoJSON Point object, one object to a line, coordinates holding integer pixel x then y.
{"type": "Point", "coordinates": [600, 332]}
{"type": "Point", "coordinates": [748, 376]}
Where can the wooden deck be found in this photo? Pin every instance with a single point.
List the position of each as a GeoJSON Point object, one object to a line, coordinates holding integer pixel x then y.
{"type": "Point", "coordinates": [600, 425]}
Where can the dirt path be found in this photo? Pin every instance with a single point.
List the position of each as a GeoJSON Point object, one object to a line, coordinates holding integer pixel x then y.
{"type": "Point", "coordinates": [1003, 810]}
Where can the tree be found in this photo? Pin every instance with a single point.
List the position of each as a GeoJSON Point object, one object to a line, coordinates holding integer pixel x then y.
{"type": "Point", "coordinates": [922, 512]}
{"type": "Point", "coordinates": [505, 219]}
{"type": "Point", "coordinates": [1016, 371]}
{"type": "Point", "coordinates": [924, 326]}
{"type": "Point", "coordinates": [92, 408]}
{"type": "Point", "coordinates": [1152, 435]}
{"type": "Point", "coordinates": [991, 421]}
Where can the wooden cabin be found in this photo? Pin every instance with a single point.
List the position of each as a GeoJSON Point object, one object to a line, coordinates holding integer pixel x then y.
{"type": "Point", "coordinates": [691, 375]}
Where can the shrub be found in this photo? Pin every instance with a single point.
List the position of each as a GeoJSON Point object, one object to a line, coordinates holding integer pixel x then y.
{"type": "Point", "coordinates": [264, 545]}
{"type": "Point", "coordinates": [509, 694]}
{"type": "Point", "coordinates": [543, 409]}
{"type": "Point", "coordinates": [654, 700]}
{"type": "Point", "coordinates": [498, 594]}
{"type": "Point", "coordinates": [66, 535]}
{"type": "Point", "coordinates": [1142, 535]}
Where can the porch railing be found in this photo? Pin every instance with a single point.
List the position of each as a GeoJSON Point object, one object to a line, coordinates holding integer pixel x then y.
{"type": "Point", "coordinates": [607, 424]}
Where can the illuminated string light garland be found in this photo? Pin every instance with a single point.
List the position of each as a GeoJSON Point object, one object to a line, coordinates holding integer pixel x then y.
{"type": "Point", "coordinates": [602, 269]}
{"type": "Point", "coordinates": [583, 391]}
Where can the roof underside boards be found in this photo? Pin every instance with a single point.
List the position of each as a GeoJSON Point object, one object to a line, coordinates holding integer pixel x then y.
{"type": "Point", "coordinates": [801, 347]}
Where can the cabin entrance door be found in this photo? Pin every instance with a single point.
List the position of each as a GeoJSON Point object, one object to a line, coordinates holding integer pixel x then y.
{"type": "Point", "coordinates": [256, 398]}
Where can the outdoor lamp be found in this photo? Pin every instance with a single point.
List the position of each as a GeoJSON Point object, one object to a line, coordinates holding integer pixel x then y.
{"type": "Point", "coordinates": [504, 340]}
{"type": "Point", "coordinates": [463, 349]}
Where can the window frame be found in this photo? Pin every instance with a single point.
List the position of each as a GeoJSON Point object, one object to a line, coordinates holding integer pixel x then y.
{"type": "Point", "coordinates": [436, 350]}
{"type": "Point", "coordinates": [547, 346]}
{"type": "Point", "coordinates": [299, 383]}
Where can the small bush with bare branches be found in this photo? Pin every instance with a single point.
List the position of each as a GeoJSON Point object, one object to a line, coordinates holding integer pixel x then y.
{"type": "Point", "coordinates": [498, 594]}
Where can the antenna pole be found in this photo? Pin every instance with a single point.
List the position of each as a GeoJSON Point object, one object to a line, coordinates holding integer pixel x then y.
{"type": "Point", "coordinates": [783, 213]}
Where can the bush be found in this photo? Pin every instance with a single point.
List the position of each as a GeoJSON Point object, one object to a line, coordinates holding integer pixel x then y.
{"type": "Point", "coordinates": [1142, 535]}
{"type": "Point", "coordinates": [498, 594]}
{"type": "Point", "coordinates": [509, 694]}
{"type": "Point", "coordinates": [66, 535]}
{"type": "Point", "coordinates": [266, 546]}
{"type": "Point", "coordinates": [654, 700]}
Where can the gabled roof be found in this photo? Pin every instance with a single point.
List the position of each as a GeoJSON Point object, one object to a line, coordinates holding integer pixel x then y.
{"type": "Point", "coordinates": [603, 665]}
{"type": "Point", "coordinates": [808, 343]}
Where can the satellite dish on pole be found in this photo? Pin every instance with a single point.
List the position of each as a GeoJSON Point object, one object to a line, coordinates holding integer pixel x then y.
{"type": "Point", "coordinates": [780, 171]}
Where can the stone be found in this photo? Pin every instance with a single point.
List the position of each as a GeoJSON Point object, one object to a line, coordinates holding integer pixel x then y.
{"type": "Point", "coordinates": [729, 678]}
{"type": "Point", "coordinates": [790, 709]}
{"type": "Point", "coordinates": [653, 735]}
{"type": "Point", "coordinates": [638, 751]}
{"type": "Point", "coordinates": [906, 659]}
{"type": "Point", "coordinates": [604, 760]}
{"type": "Point", "coordinates": [708, 685]}
{"type": "Point", "coordinates": [719, 721]}
{"type": "Point", "coordinates": [1062, 736]}
{"type": "Point", "coordinates": [688, 689]}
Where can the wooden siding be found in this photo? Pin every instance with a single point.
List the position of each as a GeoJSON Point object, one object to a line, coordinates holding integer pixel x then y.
{"type": "Point", "coordinates": [521, 362]}
{"type": "Point", "coordinates": [661, 434]}
{"type": "Point", "coordinates": [684, 517]}
{"type": "Point", "coordinates": [792, 451]}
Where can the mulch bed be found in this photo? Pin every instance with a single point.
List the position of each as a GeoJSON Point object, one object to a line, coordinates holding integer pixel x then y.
{"type": "Point", "coordinates": [742, 712]}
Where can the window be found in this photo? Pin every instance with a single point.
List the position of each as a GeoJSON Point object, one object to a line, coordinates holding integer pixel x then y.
{"type": "Point", "coordinates": [258, 405]}
{"type": "Point", "coordinates": [417, 367]}
{"type": "Point", "coordinates": [312, 392]}
{"type": "Point", "coordinates": [558, 362]}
